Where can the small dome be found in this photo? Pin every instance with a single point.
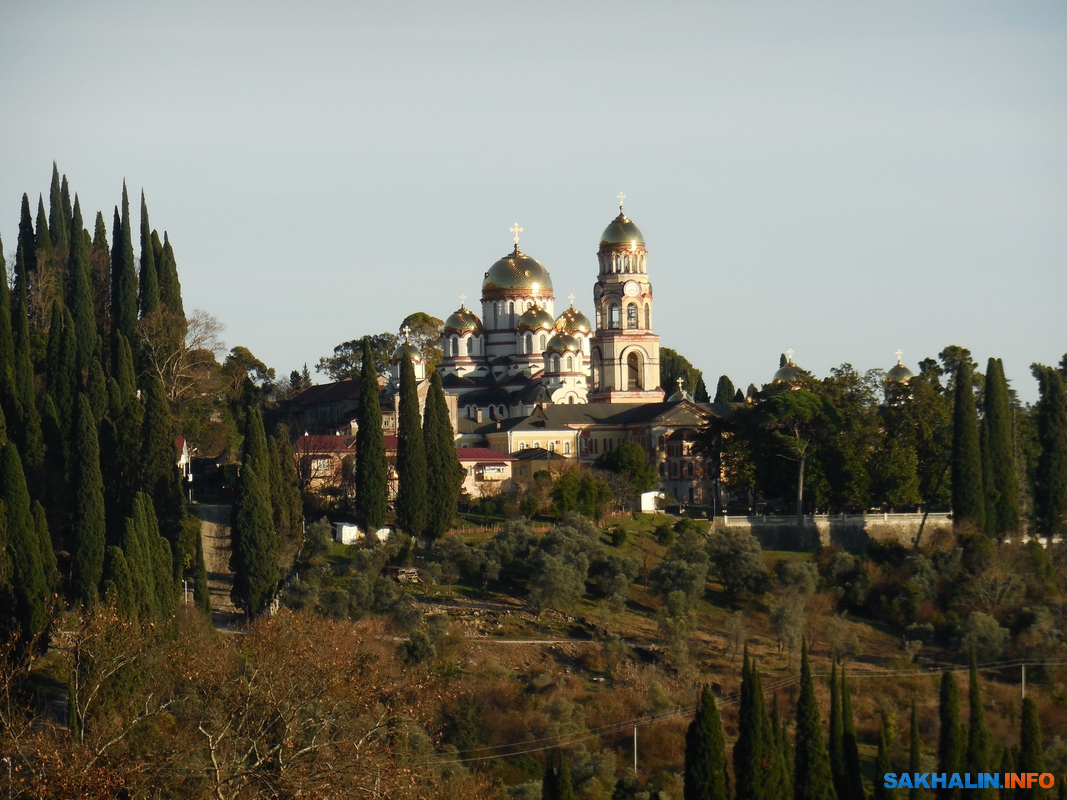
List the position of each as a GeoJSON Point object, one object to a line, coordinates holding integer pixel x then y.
{"type": "Point", "coordinates": [534, 319]}
{"type": "Point", "coordinates": [517, 271]}
{"type": "Point", "coordinates": [790, 373]}
{"type": "Point", "coordinates": [573, 321]}
{"type": "Point", "coordinates": [563, 343]}
{"type": "Point", "coordinates": [463, 321]}
{"type": "Point", "coordinates": [621, 230]}
{"type": "Point", "coordinates": [407, 349]}
{"type": "Point", "coordinates": [899, 374]}
{"type": "Point", "coordinates": [680, 395]}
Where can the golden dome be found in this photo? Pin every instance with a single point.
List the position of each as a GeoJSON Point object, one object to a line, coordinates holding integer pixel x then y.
{"type": "Point", "coordinates": [563, 343]}
{"type": "Point", "coordinates": [790, 373]}
{"type": "Point", "coordinates": [463, 321]}
{"type": "Point", "coordinates": [534, 319]}
{"type": "Point", "coordinates": [899, 374]}
{"type": "Point", "coordinates": [407, 349]}
{"type": "Point", "coordinates": [622, 230]}
{"type": "Point", "coordinates": [517, 273]}
{"type": "Point", "coordinates": [573, 321]}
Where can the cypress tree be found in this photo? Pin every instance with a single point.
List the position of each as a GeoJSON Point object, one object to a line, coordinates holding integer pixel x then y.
{"type": "Point", "coordinates": [88, 518]}
{"type": "Point", "coordinates": [837, 731]}
{"type": "Point", "coordinates": [64, 193]}
{"type": "Point", "coordinates": [700, 393]}
{"type": "Point", "coordinates": [55, 483]}
{"type": "Point", "coordinates": [444, 476]}
{"type": "Point", "coordinates": [1050, 474]}
{"type": "Point", "coordinates": [724, 390]}
{"type": "Point", "coordinates": [749, 752]}
{"type": "Point", "coordinates": [80, 291]}
{"type": "Point", "coordinates": [7, 594]}
{"type": "Point", "coordinates": [563, 780]}
{"type": "Point", "coordinates": [100, 277]}
{"type": "Point", "coordinates": [25, 261]}
{"type": "Point", "coordinates": [852, 775]}
{"type": "Point", "coordinates": [1000, 452]}
{"type": "Point", "coordinates": [47, 550]}
{"type": "Point", "coordinates": [372, 469]}
{"type": "Point", "coordinates": [254, 556]}
{"type": "Point", "coordinates": [161, 479]}
{"type": "Point", "coordinates": [148, 283]}
{"type": "Point", "coordinates": [550, 781]}
{"type": "Point", "coordinates": [950, 746]}
{"type": "Point", "coordinates": [118, 584]}
{"type": "Point", "coordinates": [201, 589]}
{"type": "Point", "coordinates": [162, 556]}
{"type": "Point", "coordinates": [45, 259]}
{"type": "Point", "coordinates": [1007, 764]}
{"type": "Point", "coordinates": [882, 765]}
{"type": "Point", "coordinates": [96, 385]}
{"type": "Point", "coordinates": [783, 756]}
{"type": "Point", "coordinates": [812, 777]}
{"type": "Point", "coordinates": [57, 220]}
{"type": "Point", "coordinates": [9, 399]}
{"type": "Point", "coordinates": [123, 274]}
{"type": "Point", "coordinates": [968, 496]}
{"type": "Point", "coordinates": [914, 751]}
{"type": "Point", "coordinates": [170, 288]}
{"type": "Point", "coordinates": [410, 456]}
{"type": "Point", "coordinates": [28, 580]}
{"type": "Point", "coordinates": [290, 504]}
{"type": "Point", "coordinates": [121, 442]}
{"type": "Point", "coordinates": [61, 370]}
{"type": "Point", "coordinates": [27, 430]}
{"type": "Point", "coordinates": [979, 741]}
{"type": "Point", "coordinates": [138, 551]}
{"type": "Point", "coordinates": [1031, 754]}
{"type": "Point", "coordinates": [705, 776]}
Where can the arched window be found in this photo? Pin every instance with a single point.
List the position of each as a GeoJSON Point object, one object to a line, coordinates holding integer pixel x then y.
{"type": "Point", "coordinates": [551, 447]}
{"type": "Point", "coordinates": [570, 364]}
{"type": "Point", "coordinates": [661, 442]}
{"type": "Point", "coordinates": [555, 363]}
{"type": "Point", "coordinates": [544, 341]}
{"type": "Point", "coordinates": [613, 317]}
{"type": "Point", "coordinates": [455, 345]}
{"type": "Point", "coordinates": [522, 445]}
{"type": "Point", "coordinates": [631, 316]}
{"type": "Point", "coordinates": [594, 362]}
{"type": "Point", "coordinates": [511, 315]}
{"type": "Point", "coordinates": [633, 371]}
{"type": "Point", "coordinates": [468, 346]}
{"type": "Point", "coordinates": [566, 448]}
{"type": "Point", "coordinates": [648, 317]}
{"type": "Point", "coordinates": [529, 343]}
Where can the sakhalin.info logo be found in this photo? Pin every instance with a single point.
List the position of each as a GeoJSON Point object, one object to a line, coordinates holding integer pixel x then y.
{"type": "Point", "coordinates": [968, 780]}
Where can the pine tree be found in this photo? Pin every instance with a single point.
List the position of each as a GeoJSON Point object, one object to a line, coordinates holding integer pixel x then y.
{"type": "Point", "coordinates": [750, 756]}
{"type": "Point", "coordinates": [410, 456]}
{"type": "Point", "coordinates": [853, 775]}
{"type": "Point", "coordinates": [705, 776]}
{"type": "Point", "coordinates": [812, 777]}
{"type": "Point", "coordinates": [837, 731]}
{"type": "Point", "coordinates": [170, 288]}
{"type": "Point", "coordinates": [914, 751]}
{"type": "Point", "coordinates": [968, 496]}
{"type": "Point", "coordinates": [254, 552]}
{"type": "Point", "coordinates": [88, 489]}
{"type": "Point", "coordinates": [979, 740]}
{"type": "Point", "coordinates": [372, 469]}
{"type": "Point", "coordinates": [123, 274]}
{"type": "Point", "coordinates": [80, 291]}
{"type": "Point", "coordinates": [950, 747]}
{"type": "Point", "coordinates": [882, 765]}
{"type": "Point", "coordinates": [147, 283]}
{"type": "Point", "coordinates": [57, 220]}
{"type": "Point", "coordinates": [444, 475]}
{"type": "Point", "coordinates": [1050, 474]}
{"type": "Point", "coordinates": [28, 580]}
{"type": "Point", "coordinates": [1031, 753]}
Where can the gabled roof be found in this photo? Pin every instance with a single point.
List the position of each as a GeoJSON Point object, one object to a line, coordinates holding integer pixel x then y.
{"type": "Point", "coordinates": [537, 454]}
{"type": "Point", "coordinates": [483, 455]}
{"type": "Point", "coordinates": [348, 389]}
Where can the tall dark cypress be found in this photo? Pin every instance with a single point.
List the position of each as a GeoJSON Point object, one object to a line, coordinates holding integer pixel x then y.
{"type": "Point", "coordinates": [882, 765]}
{"type": "Point", "coordinates": [1002, 507]}
{"type": "Point", "coordinates": [1007, 764]}
{"type": "Point", "coordinates": [88, 518]}
{"type": "Point", "coordinates": [410, 456]}
{"type": "Point", "coordinates": [148, 283]}
{"type": "Point", "coordinates": [968, 495]}
{"type": "Point", "coordinates": [170, 288]}
{"type": "Point", "coordinates": [724, 390]}
{"type": "Point", "coordinates": [1031, 752]}
{"type": "Point", "coordinates": [852, 776]}
{"type": "Point", "coordinates": [1050, 478]}
{"type": "Point", "coordinates": [950, 745]}
{"type": "Point", "coordinates": [812, 777]}
{"type": "Point", "coordinates": [254, 552]}
{"type": "Point", "coordinates": [27, 431]}
{"type": "Point", "coordinates": [837, 731]}
{"type": "Point", "coordinates": [705, 776]}
{"type": "Point", "coordinates": [288, 503]}
{"type": "Point", "coordinates": [100, 278]}
{"type": "Point", "coordinates": [9, 400]}
{"type": "Point", "coordinates": [25, 261]}
{"type": "Point", "coordinates": [46, 267]}
{"type": "Point", "coordinates": [64, 193]}
{"type": "Point", "coordinates": [139, 552]}
{"type": "Point", "coordinates": [123, 274]}
{"type": "Point", "coordinates": [118, 583]}
{"type": "Point", "coordinates": [444, 476]}
{"type": "Point", "coordinates": [161, 479]}
{"type": "Point", "coordinates": [979, 740]}
{"type": "Point", "coordinates": [914, 751]}
{"type": "Point", "coordinates": [372, 469]}
{"type": "Point", "coordinates": [57, 219]}
{"type": "Point", "coordinates": [749, 756]}
{"type": "Point", "coordinates": [28, 580]}
{"type": "Point", "coordinates": [61, 366]}
{"type": "Point", "coordinates": [550, 781]}
{"type": "Point", "coordinates": [80, 291]}
{"type": "Point", "coordinates": [46, 548]}
{"type": "Point", "coordinates": [783, 764]}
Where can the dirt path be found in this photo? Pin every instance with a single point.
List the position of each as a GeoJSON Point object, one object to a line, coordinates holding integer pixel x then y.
{"type": "Point", "coordinates": [215, 533]}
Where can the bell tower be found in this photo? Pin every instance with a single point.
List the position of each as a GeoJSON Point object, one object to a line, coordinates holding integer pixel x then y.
{"type": "Point", "coordinates": [624, 353]}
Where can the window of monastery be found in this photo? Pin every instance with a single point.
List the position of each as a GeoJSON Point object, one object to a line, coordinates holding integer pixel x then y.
{"type": "Point", "coordinates": [529, 343]}
{"type": "Point", "coordinates": [544, 341]}
{"type": "Point", "coordinates": [631, 316]}
{"type": "Point", "coordinates": [570, 364]}
{"type": "Point", "coordinates": [567, 448]}
{"type": "Point", "coordinates": [648, 317]}
{"type": "Point", "coordinates": [633, 371]}
{"type": "Point", "coordinates": [613, 316]}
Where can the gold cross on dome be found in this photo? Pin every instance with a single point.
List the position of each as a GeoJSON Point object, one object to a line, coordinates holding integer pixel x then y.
{"type": "Point", "coordinates": [680, 380]}
{"type": "Point", "coordinates": [516, 230]}
{"type": "Point", "coordinates": [571, 296]}
{"type": "Point", "coordinates": [463, 301]}
{"type": "Point", "coordinates": [899, 354]}
{"type": "Point", "coordinates": [406, 330]}
{"type": "Point", "coordinates": [621, 197]}
{"type": "Point", "coordinates": [789, 354]}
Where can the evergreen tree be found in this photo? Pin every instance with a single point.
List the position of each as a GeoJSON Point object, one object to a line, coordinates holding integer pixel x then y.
{"type": "Point", "coordinates": [80, 292]}
{"type": "Point", "coordinates": [160, 553]}
{"type": "Point", "coordinates": [255, 440]}
{"type": "Point", "coordinates": [118, 584]}
{"type": "Point", "coordinates": [968, 496]}
{"type": "Point", "coordinates": [700, 393]}
{"type": "Point", "coordinates": [950, 747]}
{"type": "Point", "coordinates": [444, 475]}
{"type": "Point", "coordinates": [47, 272]}
{"type": "Point", "coordinates": [751, 750]}
{"type": "Point", "coordinates": [96, 385]}
{"type": "Point", "coordinates": [64, 194]}
{"type": "Point", "coordinates": [7, 592]}
{"type": "Point", "coordinates": [1007, 764]}
{"type": "Point", "coordinates": [47, 549]}
{"type": "Point", "coordinates": [550, 781]}
{"type": "Point", "coordinates": [121, 443]}
{"type": "Point", "coordinates": [882, 765]}
{"type": "Point", "coordinates": [123, 274]}
{"type": "Point", "coordinates": [25, 262]}
{"type": "Point", "coordinates": [1050, 474]}
{"type": "Point", "coordinates": [724, 390]}
{"type": "Point", "coordinates": [852, 775]}
{"type": "Point", "coordinates": [1002, 507]}
{"type": "Point", "coordinates": [783, 764]}
{"type": "Point", "coordinates": [254, 552]}
{"type": "Point", "coordinates": [170, 289]}
{"type": "Point", "coordinates": [100, 278]}
{"type": "Point", "coordinates": [28, 580]}
{"type": "Point", "coordinates": [88, 519]}
{"type": "Point", "coordinates": [201, 590]}
{"type": "Point", "coordinates": [26, 431]}
{"type": "Point", "coordinates": [563, 780]}
{"type": "Point", "coordinates": [372, 469]}
{"type": "Point", "coordinates": [289, 505]}
{"type": "Point", "coordinates": [837, 731]}
{"type": "Point", "coordinates": [57, 219]}
{"type": "Point", "coordinates": [410, 456]}
{"type": "Point", "coordinates": [914, 751]}
{"type": "Point", "coordinates": [161, 479]}
{"type": "Point", "coordinates": [1031, 754]}
{"type": "Point", "coordinates": [812, 776]}
{"type": "Point", "coordinates": [61, 369]}
{"type": "Point", "coordinates": [140, 561]}
{"type": "Point", "coordinates": [147, 283]}
{"type": "Point", "coordinates": [979, 740]}
{"type": "Point", "coordinates": [9, 399]}
{"type": "Point", "coordinates": [705, 776]}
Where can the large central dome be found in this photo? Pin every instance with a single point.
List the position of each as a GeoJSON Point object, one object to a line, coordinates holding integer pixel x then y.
{"type": "Point", "coordinates": [517, 273]}
{"type": "Point", "coordinates": [621, 230]}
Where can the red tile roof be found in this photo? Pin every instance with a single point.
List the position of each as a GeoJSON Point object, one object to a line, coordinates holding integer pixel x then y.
{"type": "Point", "coordinates": [483, 454]}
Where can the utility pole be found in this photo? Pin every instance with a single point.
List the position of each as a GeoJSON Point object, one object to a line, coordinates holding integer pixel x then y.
{"type": "Point", "coordinates": [635, 748]}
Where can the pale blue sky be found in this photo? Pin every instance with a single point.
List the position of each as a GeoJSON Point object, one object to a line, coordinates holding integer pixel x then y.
{"type": "Point", "coordinates": [842, 178]}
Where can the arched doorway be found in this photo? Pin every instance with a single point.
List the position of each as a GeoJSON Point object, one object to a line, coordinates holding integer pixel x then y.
{"type": "Point", "coordinates": [633, 371]}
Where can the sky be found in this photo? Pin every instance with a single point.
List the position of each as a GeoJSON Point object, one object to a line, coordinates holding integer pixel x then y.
{"type": "Point", "coordinates": [838, 178]}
